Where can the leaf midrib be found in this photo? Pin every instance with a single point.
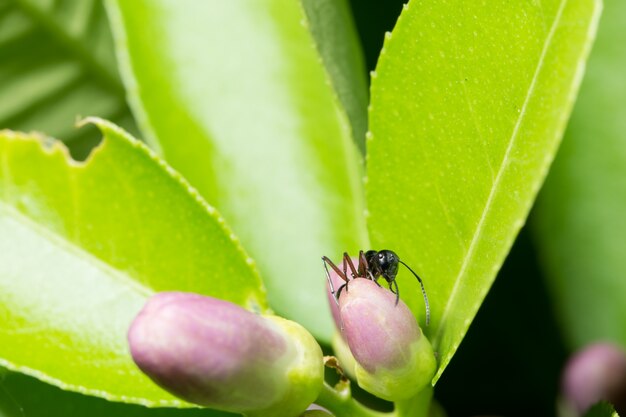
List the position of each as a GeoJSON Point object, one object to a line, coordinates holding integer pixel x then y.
{"type": "Point", "coordinates": [59, 241]}
{"type": "Point", "coordinates": [503, 166]}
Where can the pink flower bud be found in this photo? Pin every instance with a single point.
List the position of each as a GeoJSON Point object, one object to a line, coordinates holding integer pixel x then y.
{"type": "Point", "coordinates": [332, 302]}
{"type": "Point", "coordinates": [597, 372]}
{"type": "Point", "coordinates": [394, 359]}
{"type": "Point", "coordinates": [215, 353]}
{"type": "Point", "coordinates": [340, 347]}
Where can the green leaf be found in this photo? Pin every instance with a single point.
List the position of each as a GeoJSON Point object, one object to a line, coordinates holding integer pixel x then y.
{"type": "Point", "coordinates": [469, 102]}
{"type": "Point", "coordinates": [235, 96]}
{"type": "Point", "coordinates": [82, 245]}
{"type": "Point", "coordinates": [580, 223]}
{"type": "Point", "coordinates": [333, 30]}
{"type": "Point", "coordinates": [602, 409]}
{"type": "Point", "coordinates": [58, 64]}
{"type": "Point", "coordinates": [23, 396]}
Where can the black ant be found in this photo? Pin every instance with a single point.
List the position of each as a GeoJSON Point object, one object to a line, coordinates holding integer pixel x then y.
{"type": "Point", "coordinates": [372, 265]}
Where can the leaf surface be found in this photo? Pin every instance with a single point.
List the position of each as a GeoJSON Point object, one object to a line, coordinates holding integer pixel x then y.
{"type": "Point", "coordinates": [24, 396]}
{"type": "Point", "coordinates": [58, 64]}
{"type": "Point", "coordinates": [235, 96]}
{"type": "Point", "coordinates": [469, 102]}
{"type": "Point", "coordinates": [580, 223]}
{"type": "Point", "coordinates": [82, 245]}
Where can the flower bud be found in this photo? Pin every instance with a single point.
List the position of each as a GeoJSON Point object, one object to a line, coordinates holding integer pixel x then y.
{"type": "Point", "coordinates": [332, 302]}
{"type": "Point", "coordinates": [394, 359]}
{"type": "Point", "coordinates": [596, 373]}
{"type": "Point", "coordinates": [214, 353]}
{"type": "Point", "coordinates": [340, 347]}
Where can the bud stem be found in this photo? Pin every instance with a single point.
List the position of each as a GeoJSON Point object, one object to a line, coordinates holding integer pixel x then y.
{"type": "Point", "coordinates": [417, 405]}
{"type": "Point", "coordinates": [341, 403]}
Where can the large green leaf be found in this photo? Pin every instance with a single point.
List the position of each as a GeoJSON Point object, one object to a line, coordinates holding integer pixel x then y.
{"type": "Point", "coordinates": [580, 218]}
{"type": "Point", "coordinates": [469, 102]}
{"type": "Point", "coordinates": [23, 396]}
{"type": "Point", "coordinates": [58, 64]}
{"type": "Point", "coordinates": [81, 247]}
{"type": "Point", "coordinates": [235, 96]}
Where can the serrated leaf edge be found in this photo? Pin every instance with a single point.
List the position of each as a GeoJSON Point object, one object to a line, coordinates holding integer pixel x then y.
{"type": "Point", "coordinates": [104, 126]}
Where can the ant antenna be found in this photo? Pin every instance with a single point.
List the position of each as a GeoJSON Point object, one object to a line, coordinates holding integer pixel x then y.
{"type": "Point", "coordinates": [423, 292]}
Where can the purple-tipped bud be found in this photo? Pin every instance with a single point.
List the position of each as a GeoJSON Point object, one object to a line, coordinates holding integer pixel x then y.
{"type": "Point", "coordinates": [596, 373]}
{"type": "Point", "coordinates": [394, 359]}
{"type": "Point", "coordinates": [332, 302]}
{"type": "Point", "coordinates": [217, 354]}
{"type": "Point", "coordinates": [340, 347]}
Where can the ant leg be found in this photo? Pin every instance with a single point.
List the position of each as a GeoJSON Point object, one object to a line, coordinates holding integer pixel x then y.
{"type": "Point", "coordinates": [367, 273]}
{"type": "Point", "coordinates": [330, 281]}
{"type": "Point", "coordinates": [362, 265]}
{"type": "Point", "coordinates": [341, 275]}
{"type": "Point", "coordinates": [348, 261]}
{"type": "Point", "coordinates": [397, 291]}
{"type": "Point", "coordinates": [339, 291]}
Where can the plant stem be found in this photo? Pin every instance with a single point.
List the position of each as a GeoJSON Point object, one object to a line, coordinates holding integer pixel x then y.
{"type": "Point", "coordinates": [417, 406]}
{"type": "Point", "coordinates": [341, 403]}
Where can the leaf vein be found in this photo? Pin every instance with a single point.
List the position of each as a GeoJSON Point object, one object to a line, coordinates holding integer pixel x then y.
{"type": "Point", "coordinates": [71, 247]}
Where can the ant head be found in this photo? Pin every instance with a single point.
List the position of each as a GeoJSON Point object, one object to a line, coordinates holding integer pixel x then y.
{"type": "Point", "coordinates": [388, 262]}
